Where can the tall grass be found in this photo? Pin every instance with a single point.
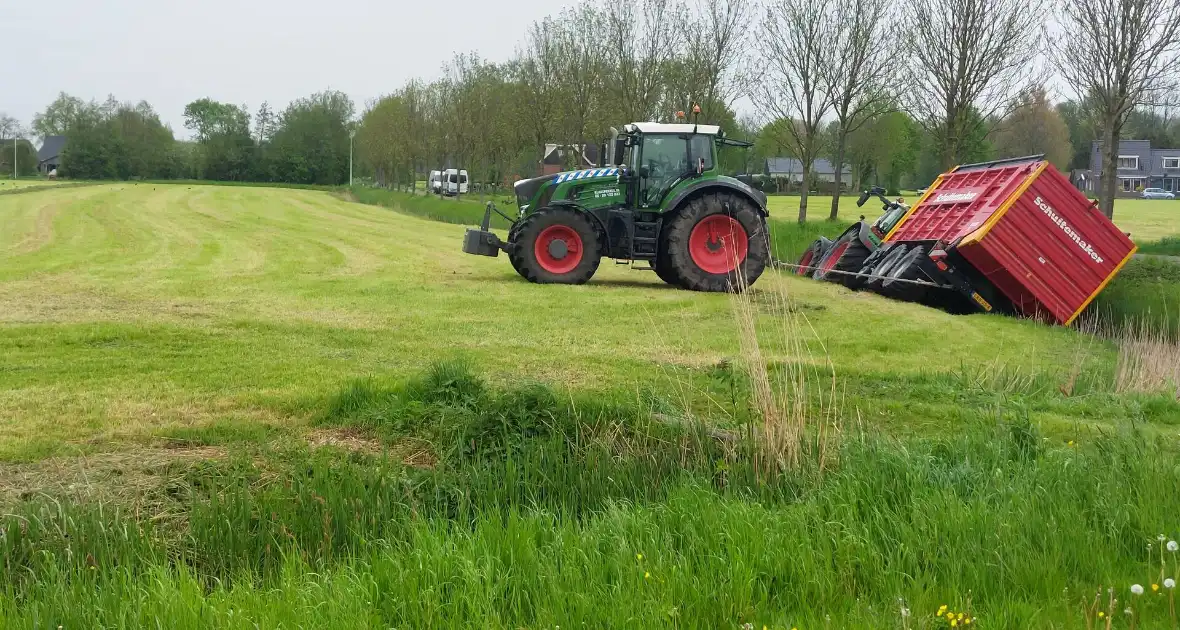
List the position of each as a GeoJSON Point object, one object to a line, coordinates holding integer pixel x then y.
{"type": "Point", "coordinates": [545, 510]}
{"type": "Point", "coordinates": [1146, 293]}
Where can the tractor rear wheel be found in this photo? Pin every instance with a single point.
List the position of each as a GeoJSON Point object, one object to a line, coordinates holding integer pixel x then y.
{"type": "Point", "coordinates": [881, 271]}
{"type": "Point", "coordinates": [717, 242]}
{"type": "Point", "coordinates": [556, 246]}
{"type": "Point", "coordinates": [663, 262]}
{"type": "Point", "coordinates": [859, 281]}
{"type": "Point", "coordinates": [810, 258]}
{"type": "Point", "coordinates": [846, 257]}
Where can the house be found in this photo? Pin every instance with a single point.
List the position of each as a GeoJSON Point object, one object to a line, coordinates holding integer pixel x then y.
{"type": "Point", "coordinates": [564, 157]}
{"type": "Point", "coordinates": [49, 155]}
{"type": "Point", "coordinates": [791, 170]}
{"type": "Point", "coordinates": [1139, 166]}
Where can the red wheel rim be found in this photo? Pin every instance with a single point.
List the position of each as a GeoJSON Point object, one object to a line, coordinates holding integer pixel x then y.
{"type": "Point", "coordinates": [834, 257]}
{"type": "Point", "coordinates": [558, 249]}
{"type": "Point", "coordinates": [718, 244]}
{"type": "Point", "coordinates": [805, 263]}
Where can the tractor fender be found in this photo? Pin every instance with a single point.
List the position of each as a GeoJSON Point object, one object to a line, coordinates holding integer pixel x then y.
{"type": "Point", "coordinates": [756, 197]}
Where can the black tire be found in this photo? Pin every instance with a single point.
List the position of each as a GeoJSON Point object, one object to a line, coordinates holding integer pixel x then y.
{"type": "Point", "coordinates": [852, 254]}
{"type": "Point", "coordinates": [811, 257]}
{"type": "Point", "coordinates": [565, 222]}
{"type": "Point", "coordinates": [886, 265]}
{"type": "Point", "coordinates": [663, 262]}
{"type": "Point", "coordinates": [858, 281]}
{"type": "Point", "coordinates": [703, 212]}
{"type": "Point", "coordinates": [896, 283]}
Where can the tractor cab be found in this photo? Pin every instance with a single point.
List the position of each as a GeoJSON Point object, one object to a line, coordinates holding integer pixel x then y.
{"type": "Point", "coordinates": [656, 157]}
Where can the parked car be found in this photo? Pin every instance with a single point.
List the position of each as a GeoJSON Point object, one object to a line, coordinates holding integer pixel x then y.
{"type": "Point", "coordinates": [434, 183]}
{"type": "Point", "coordinates": [1157, 193]}
{"type": "Point", "coordinates": [454, 182]}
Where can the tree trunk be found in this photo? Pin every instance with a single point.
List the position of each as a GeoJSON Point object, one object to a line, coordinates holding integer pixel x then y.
{"type": "Point", "coordinates": [803, 190]}
{"type": "Point", "coordinates": [1107, 188]}
{"type": "Point", "coordinates": [838, 167]}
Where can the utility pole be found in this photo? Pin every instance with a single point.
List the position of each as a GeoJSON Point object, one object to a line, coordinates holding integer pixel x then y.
{"type": "Point", "coordinates": [351, 135]}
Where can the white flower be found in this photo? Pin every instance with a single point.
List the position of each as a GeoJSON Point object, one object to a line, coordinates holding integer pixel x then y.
{"type": "Point", "coordinates": [1169, 583]}
{"type": "Point", "coordinates": [905, 612]}
{"type": "Point", "coordinates": [1172, 546]}
{"type": "Point", "coordinates": [1137, 589]}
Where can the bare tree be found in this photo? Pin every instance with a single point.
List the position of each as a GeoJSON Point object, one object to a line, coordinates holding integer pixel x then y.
{"type": "Point", "coordinates": [794, 45]}
{"type": "Point", "coordinates": [1119, 54]}
{"type": "Point", "coordinates": [968, 61]}
{"type": "Point", "coordinates": [713, 51]}
{"type": "Point", "coordinates": [859, 74]}
{"type": "Point", "coordinates": [640, 45]}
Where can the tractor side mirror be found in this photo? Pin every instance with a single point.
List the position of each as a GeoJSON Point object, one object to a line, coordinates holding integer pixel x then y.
{"type": "Point", "coordinates": [864, 197]}
{"type": "Point", "coordinates": [620, 147]}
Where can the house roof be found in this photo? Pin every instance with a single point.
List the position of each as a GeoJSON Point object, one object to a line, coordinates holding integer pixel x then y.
{"type": "Point", "coordinates": [791, 166]}
{"type": "Point", "coordinates": [554, 153]}
{"type": "Point", "coordinates": [51, 148]}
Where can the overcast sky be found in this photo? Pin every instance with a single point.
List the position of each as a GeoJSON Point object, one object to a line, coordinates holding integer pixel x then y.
{"type": "Point", "coordinates": [169, 52]}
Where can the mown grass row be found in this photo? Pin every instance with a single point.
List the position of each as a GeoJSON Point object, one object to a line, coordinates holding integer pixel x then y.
{"type": "Point", "coordinates": [538, 508]}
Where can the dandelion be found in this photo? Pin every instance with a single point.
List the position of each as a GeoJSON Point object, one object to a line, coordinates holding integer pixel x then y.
{"type": "Point", "coordinates": [941, 610]}
{"type": "Point", "coordinates": [647, 575]}
{"type": "Point", "coordinates": [1070, 443]}
{"type": "Point", "coordinates": [1137, 589]}
{"type": "Point", "coordinates": [954, 623]}
{"type": "Point", "coordinates": [1101, 614]}
{"type": "Point", "coordinates": [1155, 588]}
{"type": "Point", "coordinates": [639, 557]}
{"type": "Point", "coordinates": [1173, 546]}
{"type": "Point", "coordinates": [1169, 583]}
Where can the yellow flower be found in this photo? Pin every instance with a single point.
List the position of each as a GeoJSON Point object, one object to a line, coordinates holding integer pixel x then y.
{"type": "Point", "coordinates": [950, 616]}
{"type": "Point", "coordinates": [646, 575]}
{"type": "Point", "coordinates": [967, 621]}
{"type": "Point", "coordinates": [941, 609]}
{"type": "Point", "coordinates": [639, 556]}
{"type": "Point", "coordinates": [960, 616]}
{"type": "Point", "coordinates": [1071, 443]}
{"type": "Point", "coordinates": [1155, 587]}
{"type": "Point", "coordinates": [954, 622]}
{"type": "Point", "coordinates": [1101, 614]}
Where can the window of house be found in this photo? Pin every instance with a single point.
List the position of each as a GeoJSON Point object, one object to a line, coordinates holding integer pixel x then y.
{"type": "Point", "coordinates": [1172, 162]}
{"type": "Point", "coordinates": [1129, 161]}
{"type": "Point", "coordinates": [1128, 185]}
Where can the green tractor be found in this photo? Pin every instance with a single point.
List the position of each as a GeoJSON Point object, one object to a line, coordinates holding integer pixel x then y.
{"type": "Point", "coordinates": [659, 200]}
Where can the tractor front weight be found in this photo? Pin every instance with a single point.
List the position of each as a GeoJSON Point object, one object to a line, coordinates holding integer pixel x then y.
{"type": "Point", "coordinates": [482, 241]}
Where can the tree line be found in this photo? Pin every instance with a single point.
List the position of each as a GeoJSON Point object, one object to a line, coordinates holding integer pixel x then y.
{"type": "Point", "coordinates": [897, 92]}
{"type": "Point", "coordinates": [307, 143]}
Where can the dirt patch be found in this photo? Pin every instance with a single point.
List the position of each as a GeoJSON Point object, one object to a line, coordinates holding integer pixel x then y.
{"type": "Point", "coordinates": [131, 478]}
{"type": "Point", "coordinates": [410, 451]}
{"type": "Point", "coordinates": [347, 439]}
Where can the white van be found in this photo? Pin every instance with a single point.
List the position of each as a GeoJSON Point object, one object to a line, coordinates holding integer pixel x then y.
{"type": "Point", "coordinates": [434, 183]}
{"type": "Point", "coordinates": [454, 182]}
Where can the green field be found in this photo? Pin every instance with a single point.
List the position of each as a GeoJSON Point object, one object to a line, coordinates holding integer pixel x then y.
{"type": "Point", "coordinates": [229, 400]}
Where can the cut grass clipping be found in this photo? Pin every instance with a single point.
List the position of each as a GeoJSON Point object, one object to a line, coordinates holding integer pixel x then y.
{"type": "Point", "coordinates": [541, 508]}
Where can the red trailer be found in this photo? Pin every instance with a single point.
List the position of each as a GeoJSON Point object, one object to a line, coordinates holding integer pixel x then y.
{"type": "Point", "coordinates": [1012, 235]}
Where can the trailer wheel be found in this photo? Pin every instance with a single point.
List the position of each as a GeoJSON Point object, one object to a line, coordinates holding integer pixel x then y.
{"type": "Point", "coordinates": [812, 256]}
{"type": "Point", "coordinates": [858, 281]}
{"type": "Point", "coordinates": [884, 267]}
{"type": "Point", "coordinates": [847, 256]}
{"type": "Point", "coordinates": [717, 242]}
{"type": "Point", "coordinates": [897, 284]}
{"type": "Point", "coordinates": [556, 246]}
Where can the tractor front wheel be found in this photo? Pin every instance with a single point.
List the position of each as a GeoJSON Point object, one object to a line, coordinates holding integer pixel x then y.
{"type": "Point", "coordinates": [556, 246]}
{"type": "Point", "coordinates": [717, 242]}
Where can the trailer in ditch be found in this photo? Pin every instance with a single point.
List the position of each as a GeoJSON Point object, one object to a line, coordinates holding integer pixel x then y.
{"type": "Point", "coordinates": [1009, 236]}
